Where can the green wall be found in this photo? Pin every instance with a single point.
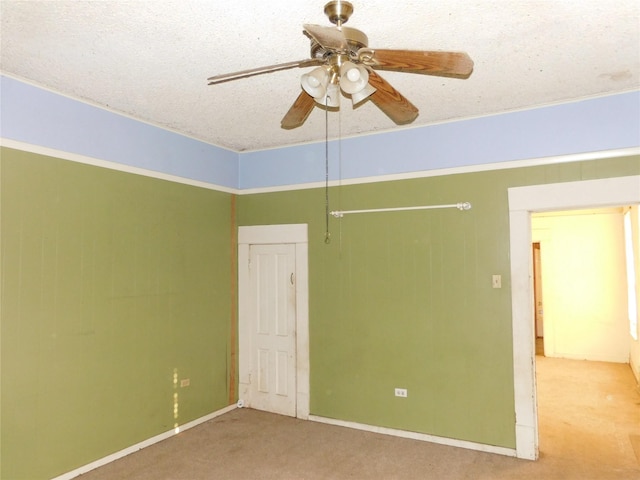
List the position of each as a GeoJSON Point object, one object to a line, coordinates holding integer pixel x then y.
{"type": "Point", "coordinates": [404, 299]}
{"type": "Point", "coordinates": [111, 282]}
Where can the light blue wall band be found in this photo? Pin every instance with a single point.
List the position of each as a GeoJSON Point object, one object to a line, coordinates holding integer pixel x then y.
{"type": "Point", "coordinates": [39, 117]}
{"type": "Point", "coordinates": [599, 124]}
{"type": "Point", "coordinates": [36, 116]}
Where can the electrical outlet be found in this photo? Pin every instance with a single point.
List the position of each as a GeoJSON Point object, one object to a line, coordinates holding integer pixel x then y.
{"type": "Point", "coordinates": [185, 382]}
{"type": "Point", "coordinates": [401, 392]}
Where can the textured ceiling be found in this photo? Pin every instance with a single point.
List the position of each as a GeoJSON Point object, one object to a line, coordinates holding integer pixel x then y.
{"type": "Point", "coordinates": [151, 59]}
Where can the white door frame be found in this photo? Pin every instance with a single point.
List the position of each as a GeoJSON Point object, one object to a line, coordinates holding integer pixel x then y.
{"type": "Point", "coordinates": [263, 235]}
{"type": "Point", "coordinates": [607, 192]}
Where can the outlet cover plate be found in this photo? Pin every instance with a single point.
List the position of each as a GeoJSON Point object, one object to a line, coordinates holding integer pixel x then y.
{"type": "Point", "coordinates": [401, 392]}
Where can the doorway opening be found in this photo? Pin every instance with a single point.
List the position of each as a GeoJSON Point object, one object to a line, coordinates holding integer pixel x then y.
{"type": "Point", "coordinates": [523, 201]}
{"type": "Point", "coordinates": [585, 386]}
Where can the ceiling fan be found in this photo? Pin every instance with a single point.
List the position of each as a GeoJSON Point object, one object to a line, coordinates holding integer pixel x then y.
{"type": "Point", "coordinates": [344, 62]}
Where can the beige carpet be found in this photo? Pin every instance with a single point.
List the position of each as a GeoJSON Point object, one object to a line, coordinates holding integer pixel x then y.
{"type": "Point", "coordinates": [589, 418]}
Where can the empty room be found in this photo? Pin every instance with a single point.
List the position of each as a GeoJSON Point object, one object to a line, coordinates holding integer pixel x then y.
{"type": "Point", "coordinates": [298, 240]}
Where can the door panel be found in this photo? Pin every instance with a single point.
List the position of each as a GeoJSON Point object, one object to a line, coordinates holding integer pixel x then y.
{"type": "Point", "coordinates": [272, 290]}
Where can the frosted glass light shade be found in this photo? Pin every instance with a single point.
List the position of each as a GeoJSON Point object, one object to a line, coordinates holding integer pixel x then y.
{"type": "Point", "coordinates": [332, 97]}
{"type": "Point", "coordinates": [315, 82]}
{"type": "Point", "coordinates": [353, 78]}
{"type": "Point", "coordinates": [362, 95]}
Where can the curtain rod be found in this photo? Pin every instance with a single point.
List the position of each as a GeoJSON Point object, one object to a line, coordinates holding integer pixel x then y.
{"type": "Point", "coordinates": [460, 206]}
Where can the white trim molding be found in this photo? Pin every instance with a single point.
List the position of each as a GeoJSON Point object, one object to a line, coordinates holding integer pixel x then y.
{"type": "Point", "coordinates": [523, 201]}
{"type": "Point", "coordinates": [530, 162]}
{"type": "Point", "coordinates": [139, 446]}
{"type": "Point", "coordinates": [423, 437]}
{"type": "Point", "coordinates": [439, 172]}
{"type": "Point", "coordinates": [275, 234]}
{"type": "Point", "coordinates": [120, 167]}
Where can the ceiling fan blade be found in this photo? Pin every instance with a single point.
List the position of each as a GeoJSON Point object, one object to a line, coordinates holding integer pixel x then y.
{"type": "Point", "coordinates": [390, 101]}
{"type": "Point", "coordinates": [227, 77]}
{"type": "Point", "coordinates": [442, 64]}
{"type": "Point", "coordinates": [298, 112]}
{"type": "Point", "coordinates": [327, 37]}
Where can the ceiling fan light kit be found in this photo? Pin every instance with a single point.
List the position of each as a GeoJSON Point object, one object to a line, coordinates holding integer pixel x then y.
{"type": "Point", "coordinates": [327, 81]}
{"type": "Point", "coordinates": [344, 62]}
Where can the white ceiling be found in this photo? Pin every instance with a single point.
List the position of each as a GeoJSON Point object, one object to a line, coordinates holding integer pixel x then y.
{"type": "Point", "coordinates": [151, 59]}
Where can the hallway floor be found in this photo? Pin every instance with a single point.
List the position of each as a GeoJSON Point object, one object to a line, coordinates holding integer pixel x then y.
{"type": "Point", "coordinates": [589, 412]}
{"type": "Point", "coordinates": [589, 421]}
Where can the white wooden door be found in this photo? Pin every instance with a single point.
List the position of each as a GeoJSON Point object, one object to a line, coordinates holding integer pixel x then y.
{"type": "Point", "coordinates": [272, 290]}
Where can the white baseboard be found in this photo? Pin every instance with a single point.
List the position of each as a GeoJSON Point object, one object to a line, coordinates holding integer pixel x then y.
{"type": "Point", "coordinates": [331, 421]}
{"type": "Point", "coordinates": [509, 452]}
{"type": "Point", "coordinates": [146, 443]}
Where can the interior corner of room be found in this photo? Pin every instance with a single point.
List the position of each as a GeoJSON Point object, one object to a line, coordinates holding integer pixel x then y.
{"type": "Point", "coordinates": [119, 301]}
{"type": "Point", "coordinates": [470, 283]}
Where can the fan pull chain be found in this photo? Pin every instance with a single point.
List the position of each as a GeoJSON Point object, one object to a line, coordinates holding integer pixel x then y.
{"type": "Point", "coordinates": [340, 177]}
{"type": "Point", "coordinates": [327, 234]}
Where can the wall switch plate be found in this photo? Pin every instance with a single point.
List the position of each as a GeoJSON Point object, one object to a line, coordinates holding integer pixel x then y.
{"type": "Point", "coordinates": [401, 392]}
{"type": "Point", "coordinates": [185, 382]}
{"type": "Point", "coordinates": [496, 281]}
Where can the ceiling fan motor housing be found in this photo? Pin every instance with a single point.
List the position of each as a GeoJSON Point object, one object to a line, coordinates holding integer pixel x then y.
{"type": "Point", "coordinates": [355, 39]}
